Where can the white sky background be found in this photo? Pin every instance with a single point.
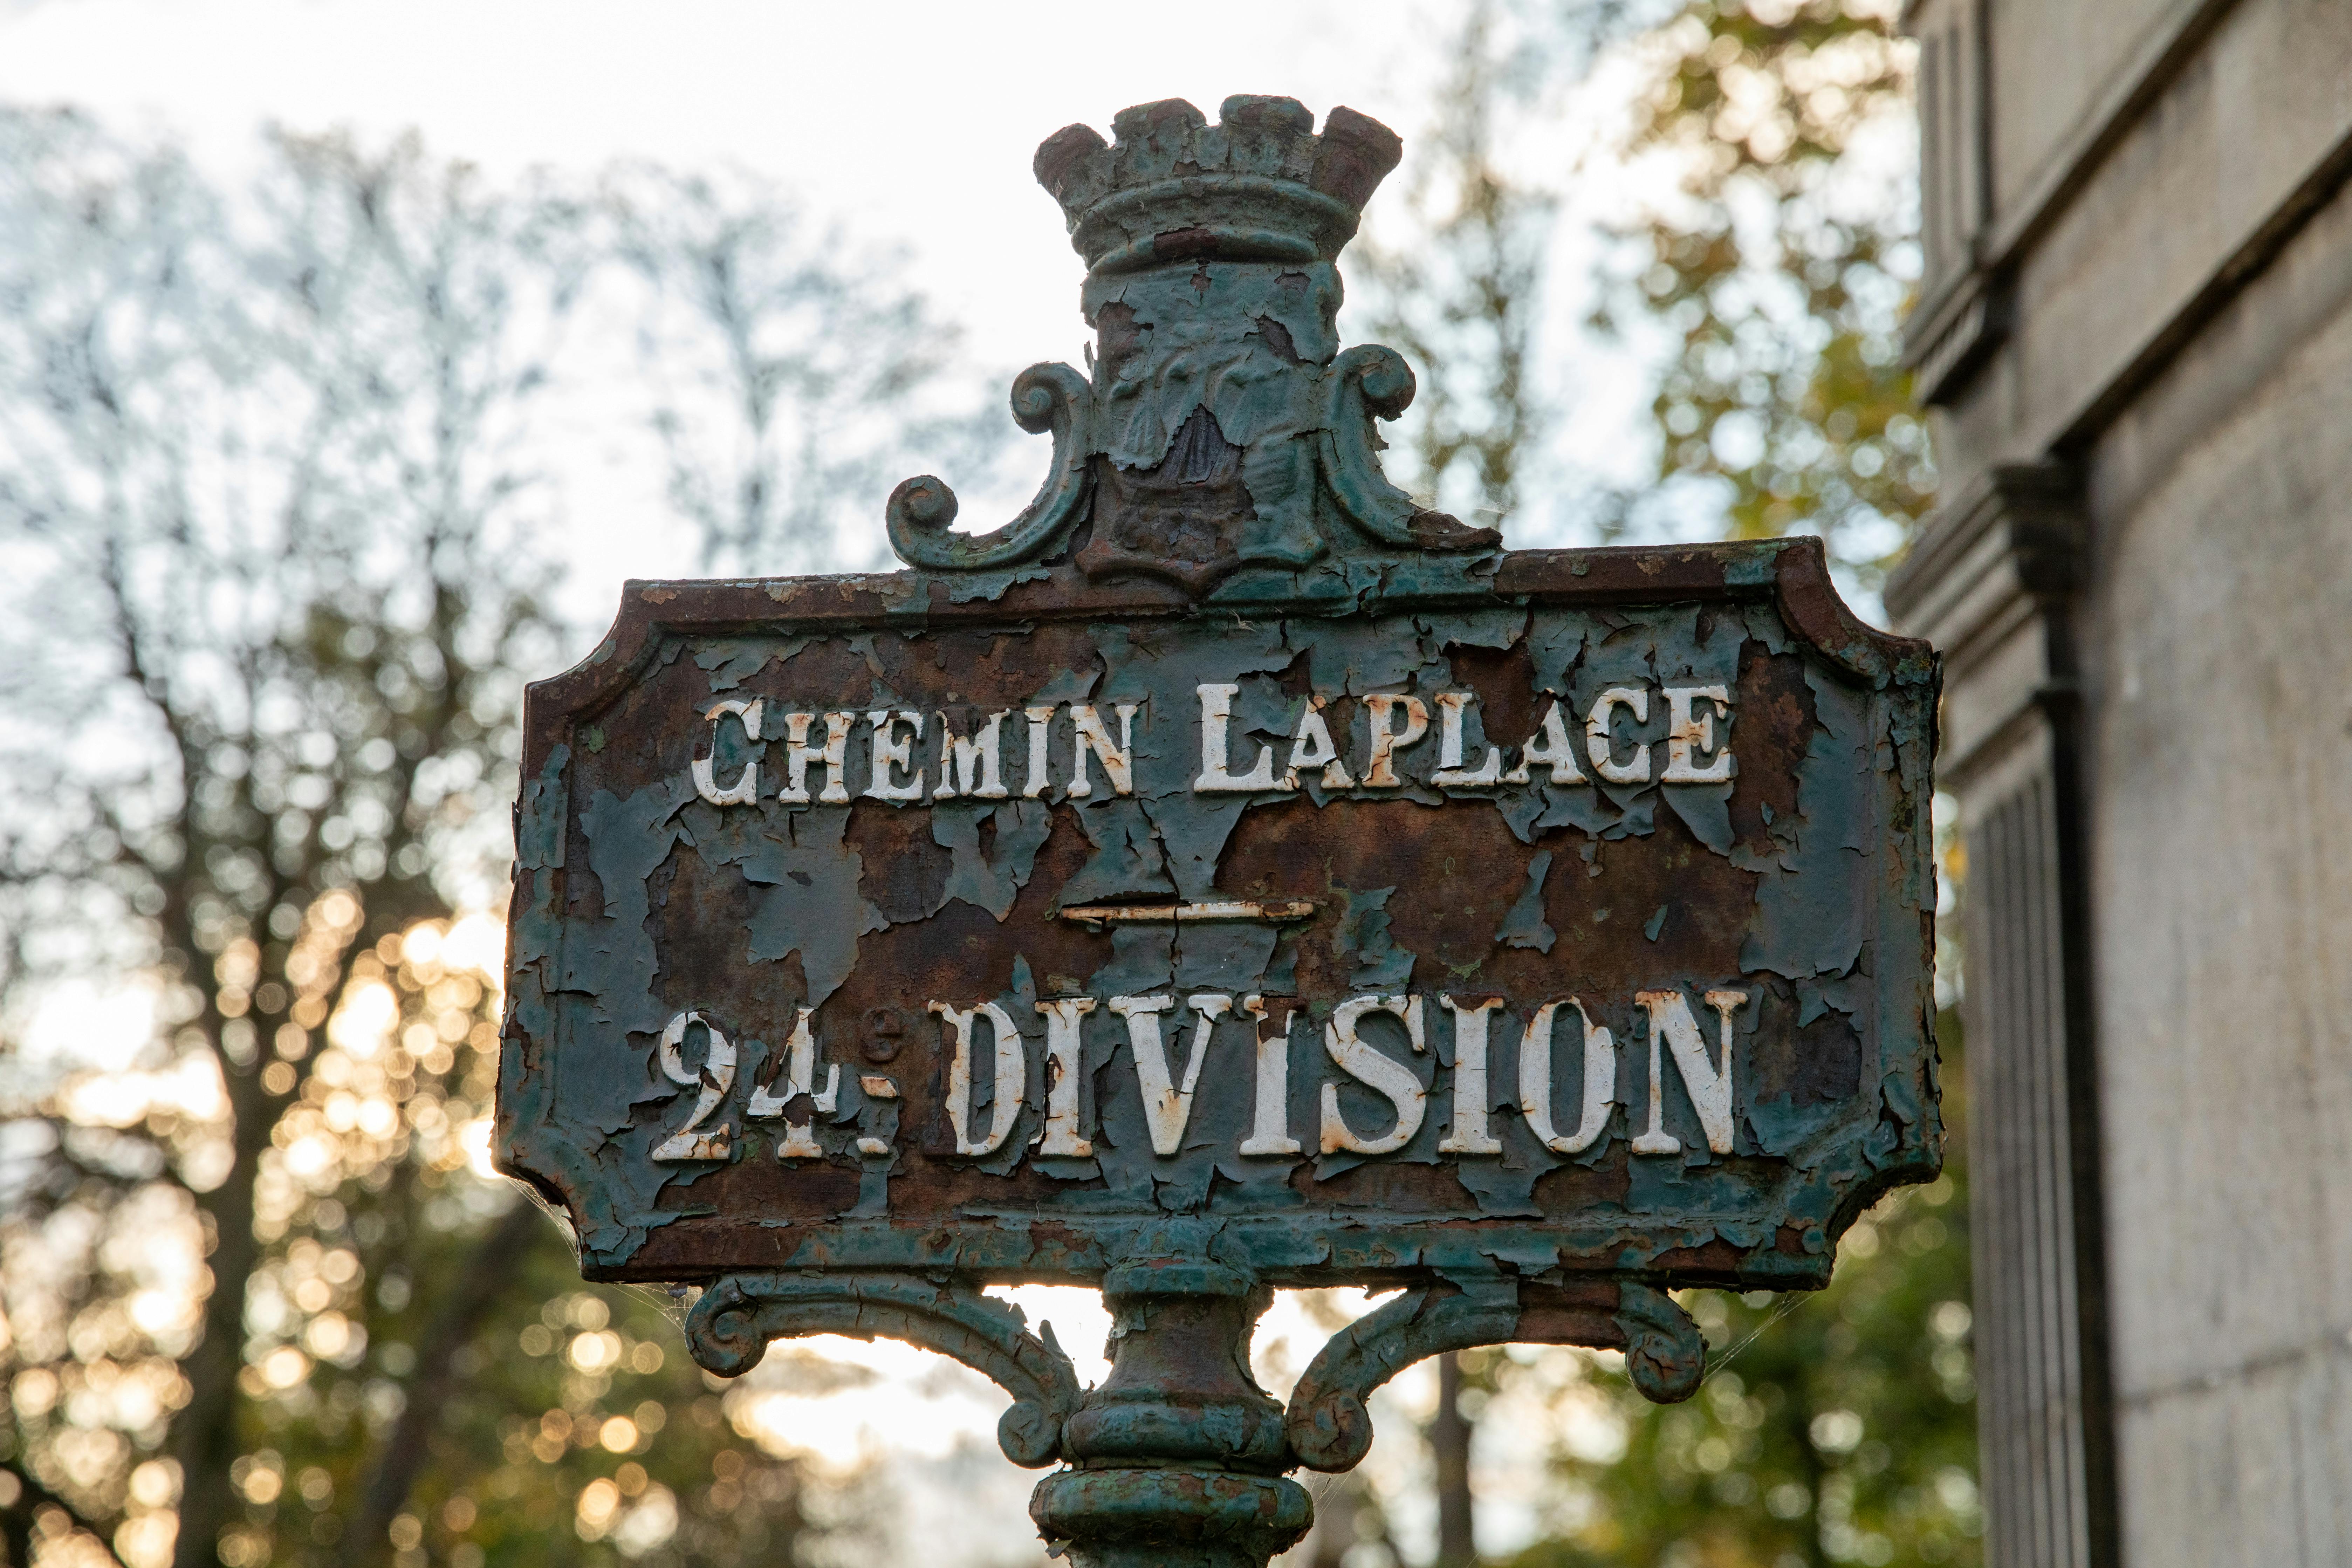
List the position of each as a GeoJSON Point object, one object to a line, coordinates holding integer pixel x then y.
{"type": "Point", "coordinates": [912, 124]}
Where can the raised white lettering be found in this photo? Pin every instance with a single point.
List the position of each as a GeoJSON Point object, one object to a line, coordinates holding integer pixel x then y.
{"type": "Point", "coordinates": [1379, 768]}
{"type": "Point", "coordinates": [1012, 1065]}
{"type": "Point", "coordinates": [1312, 747]}
{"type": "Point", "coordinates": [1117, 762]}
{"type": "Point", "coordinates": [1451, 774]}
{"type": "Point", "coordinates": [1600, 746]}
{"type": "Point", "coordinates": [893, 751]}
{"type": "Point", "coordinates": [1689, 732]}
{"type": "Point", "coordinates": [1550, 746]}
{"type": "Point", "coordinates": [715, 1077]}
{"type": "Point", "coordinates": [1270, 1121]}
{"type": "Point", "coordinates": [1165, 1108]}
{"type": "Point", "coordinates": [1041, 735]}
{"type": "Point", "coordinates": [1696, 748]}
{"type": "Point", "coordinates": [798, 754]}
{"type": "Point", "coordinates": [745, 790]}
{"type": "Point", "coordinates": [1671, 1024]}
{"type": "Point", "coordinates": [1469, 1134]}
{"type": "Point", "coordinates": [1535, 1080]}
{"type": "Point", "coordinates": [973, 766]}
{"type": "Point", "coordinates": [798, 1139]}
{"type": "Point", "coordinates": [1216, 721]}
{"type": "Point", "coordinates": [1062, 1077]}
{"type": "Point", "coordinates": [1374, 1070]}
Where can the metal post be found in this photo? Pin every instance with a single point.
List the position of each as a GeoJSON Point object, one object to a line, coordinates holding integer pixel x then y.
{"type": "Point", "coordinates": [1179, 1457]}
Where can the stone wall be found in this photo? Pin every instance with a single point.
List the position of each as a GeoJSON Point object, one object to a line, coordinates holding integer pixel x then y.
{"type": "Point", "coordinates": [2139, 341]}
{"type": "Point", "coordinates": [2220, 608]}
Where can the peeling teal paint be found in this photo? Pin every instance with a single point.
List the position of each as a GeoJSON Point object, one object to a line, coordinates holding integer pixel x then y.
{"type": "Point", "coordinates": [1214, 517]}
{"type": "Point", "coordinates": [1218, 969]}
{"type": "Point", "coordinates": [811, 897]}
{"type": "Point", "coordinates": [1525, 926]}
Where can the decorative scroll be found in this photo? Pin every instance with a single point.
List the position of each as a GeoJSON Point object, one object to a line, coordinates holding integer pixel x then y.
{"type": "Point", "coordinates": [1221, 429]}
{"type": "Point", "coordinates": [1330, 1425]}
{"type": "Point", "coordinates": [728, 1330]}
{"type": "Point", "coordinates": [1050, 396]}
{"type": "Point", "coordinates": [1368, 381]}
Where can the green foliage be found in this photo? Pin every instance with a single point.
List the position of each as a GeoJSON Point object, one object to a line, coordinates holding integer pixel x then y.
{"type": "Point", "coordinates": [1776, 257]}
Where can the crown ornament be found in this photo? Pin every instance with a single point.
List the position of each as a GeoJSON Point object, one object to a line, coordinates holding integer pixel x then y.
{"type": "Point", "coordinates": [1259, 185]}
{"type": "Point", "coordinates": [1223, 442]}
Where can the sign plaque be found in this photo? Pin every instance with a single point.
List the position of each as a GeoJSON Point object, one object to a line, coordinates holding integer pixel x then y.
{"type": "Point", "coordinates": [1225, 875]}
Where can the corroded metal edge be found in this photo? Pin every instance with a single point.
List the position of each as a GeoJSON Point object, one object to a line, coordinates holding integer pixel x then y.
{"type": "Point", "coordinates": [1791, 573]}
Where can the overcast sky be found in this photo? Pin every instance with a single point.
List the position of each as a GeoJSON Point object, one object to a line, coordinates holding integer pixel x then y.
{"type": "Point", "coordinates": [918, 131]}
{"type": "Point", "coordinates": [912, 125]}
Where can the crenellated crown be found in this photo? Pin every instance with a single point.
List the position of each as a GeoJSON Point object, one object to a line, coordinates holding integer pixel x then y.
{"type": "Point", "coordinates": [1259, 185]}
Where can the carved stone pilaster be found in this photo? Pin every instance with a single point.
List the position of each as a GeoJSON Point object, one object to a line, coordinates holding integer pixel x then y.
{"type": "Point", "coordinates": [1991, 582]}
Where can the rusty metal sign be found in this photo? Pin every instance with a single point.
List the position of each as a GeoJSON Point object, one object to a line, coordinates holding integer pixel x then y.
{"type": "Point", "coordinates": [1227, 866]}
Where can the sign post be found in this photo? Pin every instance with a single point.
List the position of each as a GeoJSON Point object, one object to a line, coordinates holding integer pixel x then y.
{"type": "Point", "coordinates": [1225, 875]}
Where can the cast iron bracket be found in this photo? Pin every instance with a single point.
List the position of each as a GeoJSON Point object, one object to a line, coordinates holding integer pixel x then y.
{"type": "Point", "coordinates": [1329, 1426]}
{"type": "Point", "coordinates": [728, 1331]}
{"type": "Point", "coordinates": [1178, 1456]}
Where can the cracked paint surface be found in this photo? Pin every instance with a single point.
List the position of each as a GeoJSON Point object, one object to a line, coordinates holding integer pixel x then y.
{"type": "Point", "coordinates": [1216, 578]}
{"type": "Point", "coordinates": [640, 899]}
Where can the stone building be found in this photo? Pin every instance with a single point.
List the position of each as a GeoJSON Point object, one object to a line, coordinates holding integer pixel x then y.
{"type": "Point", "coordinates": [2136, 329]}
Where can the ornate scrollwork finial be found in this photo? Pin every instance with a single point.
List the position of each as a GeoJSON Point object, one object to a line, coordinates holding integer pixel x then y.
{"type": "Point", "coordinates": [1223, 429]}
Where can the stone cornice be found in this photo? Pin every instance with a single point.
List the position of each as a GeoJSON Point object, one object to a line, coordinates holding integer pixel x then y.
{"type": "Point", "coordinates": [1988, 583]}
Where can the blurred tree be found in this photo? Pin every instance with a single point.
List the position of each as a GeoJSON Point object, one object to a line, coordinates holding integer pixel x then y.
{"type": "Point", "coordinates": [780, 379]}
{"type": "Point", "coordinates": [1767, 268]}
{"type": "Point", "coordinates": [1777, 261]}
{"type": "Point", "coordinates": [1457, 294]}
{"type": "Point", "coordinates": [277, 530]}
